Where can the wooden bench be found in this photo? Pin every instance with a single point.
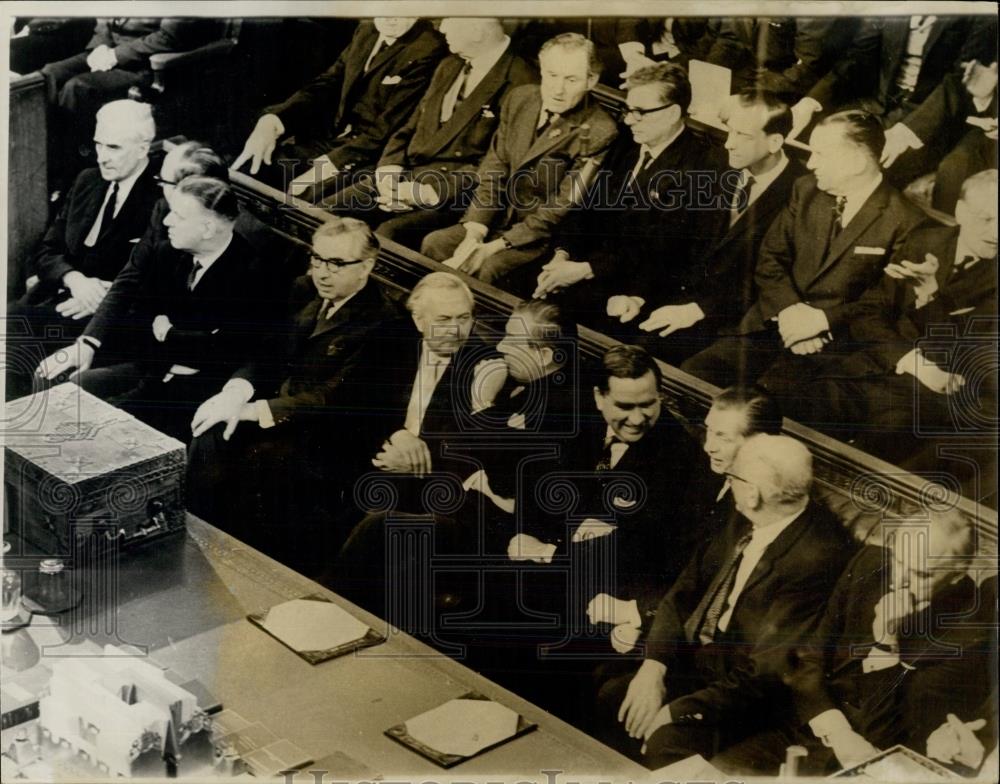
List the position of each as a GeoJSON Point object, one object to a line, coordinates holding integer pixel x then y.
{"type": "Point", "coordinates": [861, 488]}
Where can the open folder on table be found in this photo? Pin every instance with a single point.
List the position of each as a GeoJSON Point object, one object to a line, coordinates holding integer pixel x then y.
{"type": "Point", "coordinates": [460, 729]}
{"type": "Point", "coordinates": [315, 628]}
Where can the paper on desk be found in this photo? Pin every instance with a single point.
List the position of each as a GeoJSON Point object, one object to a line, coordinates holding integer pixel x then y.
{"type": "Point", "coordinates": [900, 767]}
{"type": "Point", "coordinates": [695, 768]}
{"type": "Point", "coordinates": [463, 727]}
{"type": "Point", "coordinates": [309, 625]}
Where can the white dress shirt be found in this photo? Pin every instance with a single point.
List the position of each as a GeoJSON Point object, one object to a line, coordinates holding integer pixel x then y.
{"type": "Point", "coordinates": [479, 66]}
{"type": "Point", "coordinates": [124, 189]}
{"type": "Point", "coordinates": [429, 372]}
{"type": "Point", "coordinates": [760, 538]}
{"type": "Point", "coordinates": [206, 261]}
{"type": "Point", "coordinates": [761, 182]}
{"type": "Point", "coordinates": [382, 43]}
{"type": "Point", "coordinates": [618, 448]}
{"type": "Point", "coordinates": [856, 200]}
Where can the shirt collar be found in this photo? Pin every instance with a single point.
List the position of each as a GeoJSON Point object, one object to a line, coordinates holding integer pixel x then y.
{"type": "Point", "coordinates": [483, 61]}
{"type": "Point", "coordinates": [125, 184]}
{"type": "Point", "coordinates": [762, 181]}
{"type": "Point", "coordinates": [208, 259]}
{"type": "Point", "coordinates": [429, 357]}
{"type": "Point", "coordinates": [330, 307]}
{"type": "Point", "coordinates": [763, 536]}
{"type": "Point", "coordinates": [961, 252]}
{"type": "Point", "coordinates": [856, 199]}
{"type": "Point", "coordinates": [655, 152]}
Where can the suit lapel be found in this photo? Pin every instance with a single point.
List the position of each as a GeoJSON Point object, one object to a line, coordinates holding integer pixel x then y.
{"type": "Point", "coordinates": [557, 133]}
{"type": "Point", "coordinates": [354, 67]}
{"type": "Point", "coordinates": [473, 103]}
{"type": "Point", "coordinates": [868, 214]}
{"type": "Point", "coordinates": [932, 38]}
{"type": "Point", "coordinates": [774, 551]}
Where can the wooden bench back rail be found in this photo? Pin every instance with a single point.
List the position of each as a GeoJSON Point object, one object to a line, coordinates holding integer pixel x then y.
{"type": "Point", "coordinates": [861, 488]}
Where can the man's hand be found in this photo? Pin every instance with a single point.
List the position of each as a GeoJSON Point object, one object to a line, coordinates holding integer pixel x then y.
{"type": "Point", "coordinates": [898, 139]}
{"type": "Point", "coordinates": [161, 326]}
{"type": "Point", "coordinates": [464, 251]}
{"type": "Point", "coordinates": [661, 719]}
{"type": "Point", "coordinates": [892, 608]}
{"type": "Point", "coordinates": [525, 547]}
{"type": "Point", "coordinates": [930, 375]}
{"type": "Point", "coordinates": [624, 637]}
{"type": "Point", "coordinates": [954, 741]}
{"type": "Point", "coordinates": [671, 318]}
{"type": "Point", "coordinates": [643, 699]}
{"type": "Point", "coordinates": [260, 144]}
{"type": "Point", "coordinates": [488, 378]}
{"type": "Point", "coordinates": [322, 169]}
{"type": "Point", "coordinates": [480, 254]}
{"type": "Point", "coordinates": [801, 322]}
{"type": "Point", "coordinates": [592, 528]}
{"type": "Point", "coordinates": [605, 608]}
{"type": "Point", "coordinates": [412, 450]}
{"type": "Point", "coordinates": [102, 58]}
{"type": "Point", "coordinates": [802, 114]}
{"type": "Point", "coordinates": [226, 406]}
{"type": "Point", "coordinates": [560, 273]}
{"type": "Point", "coordinates": [809, 346]}
{"type": "Point", "coordinates": [80, 355]}
{"type": "Point", "coordinates": [923, 276]}
{"type": "Point", "coordinates": [623, 307]}
{"type": "Point", "coordinates": [87, 291]}
{"type": "Point", "coordinates": [851, 748]}
{"type": "Point", "coordinates": [72, 308]}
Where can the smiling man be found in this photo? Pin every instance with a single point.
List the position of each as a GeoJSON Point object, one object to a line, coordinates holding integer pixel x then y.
{"type": "Point", "coordinates": [550, 141]}
{"type": "Point", "coordinates": [105, 213]}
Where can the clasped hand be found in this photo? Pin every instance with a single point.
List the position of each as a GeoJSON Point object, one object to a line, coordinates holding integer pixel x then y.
{"type": "Point", "coordinates": [923, 276]}
{"type": "Point", "coordinates": [404, 453]}
{"type": "Point", "coordinates": [560, 273]}
{"type": "Point", "coordinates": [801, 322]}
{"type": "Point", "coordinates": [226, 406]}
{"type": "Point", "coordinates": [102, 58]}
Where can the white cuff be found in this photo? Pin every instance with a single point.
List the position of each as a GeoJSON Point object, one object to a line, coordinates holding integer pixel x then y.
{"type": "Point", "coordinates": [264, 417]}
{"type": "Point", "coordinates": [478, 230]}
{"type": "Point", "coordinates": [634, 618]}
{"type": "Point", "coordinates": [912, 140]}
{"type": "Point", "coordinates": [828, 724]}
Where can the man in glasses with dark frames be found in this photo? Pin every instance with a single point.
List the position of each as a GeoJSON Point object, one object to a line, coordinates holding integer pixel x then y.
{"type": "Point", "coordinates": [269, 426]}
{"type": "Point", "coordinates": [102, 217]}
{"type": "Point", "coordinates": [654, 208]}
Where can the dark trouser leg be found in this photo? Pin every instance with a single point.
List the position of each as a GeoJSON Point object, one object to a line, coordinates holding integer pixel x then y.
{"type": "Point", "coordinates": [675, 742]}
{"type": "Point", "coordinates": [515, 269]}
{"type": "Point", "coordinates": [411, 228]}
{"type": "Point", "coordinates": [762, 754]}
{"type": "Point", "coordinates": [735, 359]}
{"type": "Point", "coordinates": [440, 245]}
{"type": "Point", "coordinates": [606, 727]}
{"type": "Point", "coordinates": [973, 153]}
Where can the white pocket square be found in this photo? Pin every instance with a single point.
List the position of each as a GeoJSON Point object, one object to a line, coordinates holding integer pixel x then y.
{"type": "Point", "coordinates": [392, 80]}
{"type": "Point", "coordinates": [961, 311]}
{"type": "Point", "coordinates": [622, 503]}
{"type": "Point", "coordinates": [133, 242]}
{"type": "Point", "coordinates": [864, 250]}
{"type": "Point", "coordinates": [517, 421]}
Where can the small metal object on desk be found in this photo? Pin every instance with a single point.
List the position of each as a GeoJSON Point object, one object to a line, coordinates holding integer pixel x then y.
{"type": "Point", "coordinates": [53, 591]}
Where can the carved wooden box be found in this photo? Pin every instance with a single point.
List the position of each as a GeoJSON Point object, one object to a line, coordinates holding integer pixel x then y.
{"type": "Point", "coordinates": [75, 465]}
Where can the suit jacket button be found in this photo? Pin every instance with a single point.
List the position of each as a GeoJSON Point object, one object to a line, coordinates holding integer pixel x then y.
{"type": "Point", "coordinates": [444, 168]}
{"type": "Point", "coordinates": [458, 153]}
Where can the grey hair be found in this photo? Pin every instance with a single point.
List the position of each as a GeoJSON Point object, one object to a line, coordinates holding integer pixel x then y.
{"type": "Point", "coordinates": [436, 281]}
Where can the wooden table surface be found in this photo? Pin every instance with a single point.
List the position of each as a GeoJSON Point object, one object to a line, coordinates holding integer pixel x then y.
{"type": "Point", "coordinates": [185, 598]}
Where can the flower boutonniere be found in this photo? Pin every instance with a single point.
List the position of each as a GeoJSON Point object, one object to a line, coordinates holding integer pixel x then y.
{"type": "Point", "coordinates": [487, 112]}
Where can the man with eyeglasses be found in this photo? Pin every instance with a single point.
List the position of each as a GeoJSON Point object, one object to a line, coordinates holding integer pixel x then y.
{"type": "Point", "coordinates": [722, 634]}
{"type": "Point", "coordinates": [276, 422]}
{"type": "Point", "coordinates": [655, 206]}
{"type": "Point", "coordinates": [104, 215]}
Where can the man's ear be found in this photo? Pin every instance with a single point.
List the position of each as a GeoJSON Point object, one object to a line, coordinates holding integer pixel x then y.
{"type": "Point", "coordinates": [755, 499]}
{"type": "Point", "coordinates": [547, 355]}
{"type": "Point", "coordinates": [592, 80]}
{"type": "Point", "coordinates": [598, 397]}
{"type": "Point", "coordinates": [775, 141]}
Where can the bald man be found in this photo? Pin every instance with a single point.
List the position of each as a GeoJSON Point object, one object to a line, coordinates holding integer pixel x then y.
{"type": "Point", "coordinates": [724, 630]}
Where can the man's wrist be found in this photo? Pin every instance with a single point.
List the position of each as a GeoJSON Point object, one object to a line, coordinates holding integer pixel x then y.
{"type": "Point", "coordinates": [632, 615]}
{"type": "Point", "coordinates": [829, 726]}
{"type": "Point", "coordinates": [89, 340]}
{"type": "Point", "coordinates": [264, 416]}
{"type": "Point", "coordinates": [652, 668]}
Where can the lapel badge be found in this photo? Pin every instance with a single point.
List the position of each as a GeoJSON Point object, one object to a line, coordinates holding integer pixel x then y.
{"type": "Point", "coordinates": [487, 113]}
{"type": "Point", "coordinates": [555, 133]}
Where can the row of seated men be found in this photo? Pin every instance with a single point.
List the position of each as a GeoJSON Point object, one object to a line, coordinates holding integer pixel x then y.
{"type": "Point", "coordinates": [665, 219]}
{"type": "Point", "coordinates": [341, 410]}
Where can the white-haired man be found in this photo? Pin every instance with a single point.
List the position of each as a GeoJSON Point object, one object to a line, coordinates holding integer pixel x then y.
{"type": "Point", "coordinates": [723, 632]}
{"type": "Point", "coordinates": [105, 213]}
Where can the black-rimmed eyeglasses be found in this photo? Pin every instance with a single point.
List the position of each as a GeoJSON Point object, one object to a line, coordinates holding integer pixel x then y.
{"type": "Point", "coordinates": [636, 112]}
{"type": "Point", "coordinates": [316, 262]}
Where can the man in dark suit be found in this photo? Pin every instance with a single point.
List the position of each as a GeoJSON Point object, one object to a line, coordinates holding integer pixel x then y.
{"type": "Point", "coordinates": [898, 649]}
{"type": "Point", "coordinates": [343, 118]}
{"type": "Point", "coordinates": [426, 171]}
{"type": "Point", "coordinates": [890, 67]}
{"type": "Point", "coordinates": [204, 303]}
{"type": "Point", "coordinates": [297, 392]}
{"type": "Point", "coordinates": [820, 255]}
{"type": "Point", "coordinates": [783, 54]}
{"type": "Point", "coordinates": [914, 333]}
{"type": "Point", "coordinates": [655, 207]}
{"type": "Point", "coordinates": [104, 215]}
{"type": "Point", "coordinates": [542, 157]}
{"type": "Point", "coordinates": [758, 123]}
{"type": "Point", "coordinates": [747, 598]}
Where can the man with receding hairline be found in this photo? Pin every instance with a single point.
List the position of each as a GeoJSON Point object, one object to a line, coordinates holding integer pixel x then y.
{"type": "Point", "coordinates": [723, 631]}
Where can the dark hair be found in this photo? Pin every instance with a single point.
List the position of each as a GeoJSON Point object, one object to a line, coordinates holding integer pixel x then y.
{"type": "Point", "coordinates": [675, 87]}
{"type": "Point", "coordinates": [624, 361]}
{"type": "Point", "coordinates": [214, 195]}
{"type": "Point", "coordinates": [198, 158]}
{"type": "Point", "coordinates": [550, 324]}
{"type": "Point", "coordinates": [778, 117]}
{"type": "Point", "coordinates": [573, 41]}
{"type": "Point", "coordinates": [861, 128]}
{"type": "Point", "coordinates": [762, 412]}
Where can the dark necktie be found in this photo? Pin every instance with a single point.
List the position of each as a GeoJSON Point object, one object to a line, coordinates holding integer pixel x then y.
{"type": "Point", "coordinates": [604, 464]}
{"type": "Point", "coordinates": [108, 216]}
{"type": "Point", "coordinates": [742, 199]}
{"type": "Point", "coordinates": [459, 94]}
{"type": "Point", "coordinates": [642, 163]}
{"type": "Point", "coordinates": [961, 266]}
{"type": "Point", "coordinates": [193, 274]}
{"type": "Point", "coordinates": [703, 623]}
{"type": "Point", "coordinates": [837, 223]}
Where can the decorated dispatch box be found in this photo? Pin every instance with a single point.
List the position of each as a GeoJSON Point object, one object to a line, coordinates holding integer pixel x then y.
{"type": "Point", "coordinates": [75, 465]}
